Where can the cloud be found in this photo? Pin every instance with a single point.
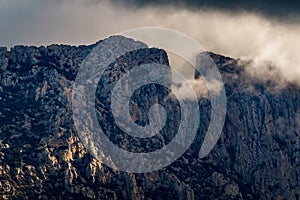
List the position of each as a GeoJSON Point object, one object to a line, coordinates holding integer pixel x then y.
{"type": "Point", "coordinates": [198, 86]}
{"type": "Point", "coordinates": [278, 58]}
{"type": "Point", "coordinates": [238, 33]}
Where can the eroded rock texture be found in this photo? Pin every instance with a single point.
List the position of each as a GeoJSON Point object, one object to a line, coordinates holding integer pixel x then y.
{"type": "Point", "coordinates": [41, 156]}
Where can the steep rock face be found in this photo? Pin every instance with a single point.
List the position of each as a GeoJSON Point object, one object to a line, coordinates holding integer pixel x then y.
{"type": "Point", "coordinates": [261, 140]}
{"type": "Point", "coordinates": [257, 156]}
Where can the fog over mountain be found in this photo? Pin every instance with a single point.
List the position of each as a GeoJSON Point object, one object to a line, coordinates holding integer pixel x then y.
{"type": "Point", "coordinates": [267, 33]}
{"type": "Point", "coordinates": [47, 137]}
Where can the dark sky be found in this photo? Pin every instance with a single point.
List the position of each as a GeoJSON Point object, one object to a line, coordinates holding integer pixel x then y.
{"type": "Point", "coordinates": [279, 9]}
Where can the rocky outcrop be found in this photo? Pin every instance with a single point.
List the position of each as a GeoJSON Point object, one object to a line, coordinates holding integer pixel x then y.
{"type": "Point", "coordinates": [41, 156]}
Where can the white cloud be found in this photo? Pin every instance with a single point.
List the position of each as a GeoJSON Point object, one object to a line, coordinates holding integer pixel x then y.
{"type": "Point", "coordinates": [199, 88]}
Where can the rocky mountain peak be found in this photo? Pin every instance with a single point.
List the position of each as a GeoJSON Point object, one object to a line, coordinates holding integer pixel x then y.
{"type": "Point", "coordinates": [42, 157]}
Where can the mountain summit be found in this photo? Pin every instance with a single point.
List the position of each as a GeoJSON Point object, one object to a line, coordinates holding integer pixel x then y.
{"type": "Point", "coordinates": [42, 157]}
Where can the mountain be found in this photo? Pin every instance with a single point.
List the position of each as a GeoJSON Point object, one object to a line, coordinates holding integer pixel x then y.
{"type": "Point", "coordinates": [42, 157]}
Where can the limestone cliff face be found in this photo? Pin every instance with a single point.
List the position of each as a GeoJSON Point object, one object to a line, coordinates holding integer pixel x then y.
{"type": "Point", "coordinates": [41, 157]}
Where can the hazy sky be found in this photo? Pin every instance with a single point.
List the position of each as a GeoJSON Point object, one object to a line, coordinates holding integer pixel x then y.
{"type": "Point", "coordinates": [265, 32]}
{"type": "Point", "coordinates": [85, 21]}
